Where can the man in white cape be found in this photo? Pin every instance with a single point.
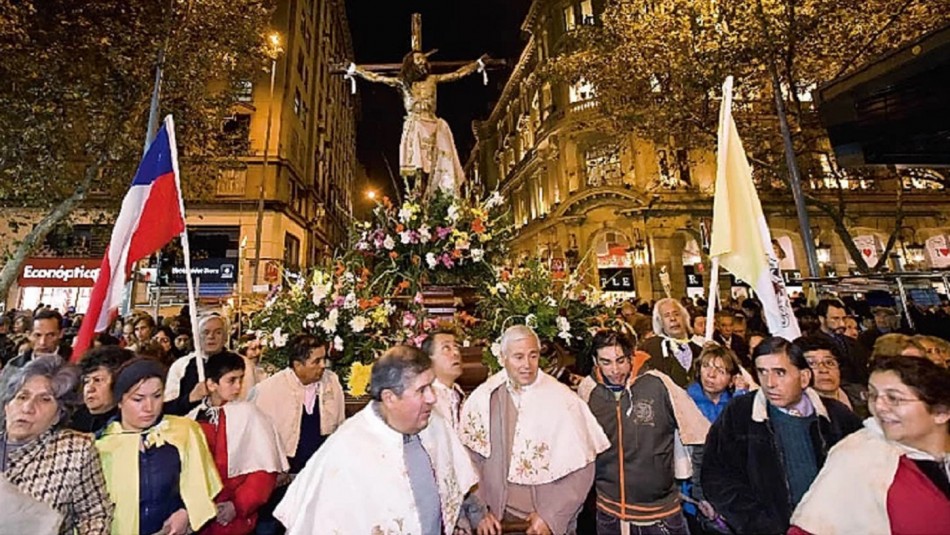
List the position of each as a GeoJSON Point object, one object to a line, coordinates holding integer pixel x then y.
{"type": "Point", "coordinates": [552, 437]}
{"type": "Point", "coordinates": [394, 468]}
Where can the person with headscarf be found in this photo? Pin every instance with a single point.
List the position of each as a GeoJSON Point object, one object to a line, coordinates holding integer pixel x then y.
{"type": "Point", "coordinates": [183, 391]}
{"type": "Point", "coordinates": [158, 469]}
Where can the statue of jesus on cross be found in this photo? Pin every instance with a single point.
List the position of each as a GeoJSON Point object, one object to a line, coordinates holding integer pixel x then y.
{"type": "Point", "coordinates": [427, 149]}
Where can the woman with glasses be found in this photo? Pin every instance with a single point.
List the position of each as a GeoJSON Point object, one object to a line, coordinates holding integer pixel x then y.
{"type": "Point", "coordinates": [893, 476]}
{"type": "Point", "coordinates": [823, 359]}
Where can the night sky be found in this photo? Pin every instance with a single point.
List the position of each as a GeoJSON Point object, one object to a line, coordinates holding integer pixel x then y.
{"type": "Point", "coordinates": [461, 30]}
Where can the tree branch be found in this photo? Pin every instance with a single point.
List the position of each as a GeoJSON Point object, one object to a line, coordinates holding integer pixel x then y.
{"type": "Point", "coordinates": [42, 229]}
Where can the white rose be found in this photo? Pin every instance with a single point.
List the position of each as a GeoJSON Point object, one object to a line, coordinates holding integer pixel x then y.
{"type": "Point", "coordinates": [358, 324]}
{"type": "Point", "coordinates": [478, 254]}
{"type": "Point", "coordinates": [405, 237]}
{"type": "Point", "coordinates": [337, 343]}
{"type": "Point", "coordinates": [280, 339]}
{"type": "Point", "coordinates": [431, 260]}
{"type": "Point", "coordinates": [389, 243]}
{"type": "Point", "coordinates": [453, 213]}
{"type": "Point", "coordinates": [349, 302]}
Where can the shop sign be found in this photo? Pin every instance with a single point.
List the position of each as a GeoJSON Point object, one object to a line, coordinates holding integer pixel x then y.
{"type": "Point", "coordinates": [793, 277]}
{"type": "Point", "coordinates": [616, 279]}
{"type": "Point", "coordinates": [209, 270]}
{"type": "Point", "coordinates": [693, 278]}
{"type": "Point", "coordinates": [59, 272]}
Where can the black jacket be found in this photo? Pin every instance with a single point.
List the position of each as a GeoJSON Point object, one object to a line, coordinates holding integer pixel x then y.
{"type": "Point", "coordinates": [636, 472]}
{"type": "Point", "coordinates": [668, 365]}
{"type": "Point", "coordinates": [742, 472]}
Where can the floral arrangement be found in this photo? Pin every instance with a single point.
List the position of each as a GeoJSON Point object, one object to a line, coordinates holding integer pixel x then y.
{"type": "Point", "coordinates": [372, 298]}
{"type": "Point", "coordinates": [562, 312]}
{"type": "Point", "coordinates": [444, 241]}
{"type": "Point", "coordinates": [334, 307]}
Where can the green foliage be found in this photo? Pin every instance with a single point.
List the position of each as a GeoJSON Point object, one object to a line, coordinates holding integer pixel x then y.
{"type": "Point", "coordinates": [561, 311]}
{"type": "Point", "coordinates": [76, 78]}
{"type": "Point", "coordinates": [658, 67]}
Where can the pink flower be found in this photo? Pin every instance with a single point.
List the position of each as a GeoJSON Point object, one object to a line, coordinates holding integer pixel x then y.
{"type": "Point", "coordinates": [418, 298]}
{"type": "Point", "coordinates": [408, 320]}
{"type": "Point", "coordinates": [417, 341]}
{"type": "Point", "coordinates": [442, 232]}
{"type": "Point", "coordinates": [447, 260]}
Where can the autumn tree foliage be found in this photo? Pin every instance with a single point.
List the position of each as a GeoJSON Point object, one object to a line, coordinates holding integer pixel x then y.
{"type": "Point", "coordinates": [76, 79]}
{"type": "Point", "coordinates": [658, 67]}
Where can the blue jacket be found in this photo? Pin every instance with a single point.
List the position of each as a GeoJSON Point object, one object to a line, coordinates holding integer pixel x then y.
{"type": "Point", "coordinates": [709, 409]}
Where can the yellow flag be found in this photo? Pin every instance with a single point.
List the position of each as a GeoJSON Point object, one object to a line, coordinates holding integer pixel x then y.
{"type": "Point", "coordinates": [740, 236]}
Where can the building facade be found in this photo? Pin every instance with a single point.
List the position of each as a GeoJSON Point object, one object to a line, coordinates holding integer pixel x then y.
{"type": "Point", "coordinates": [307, 183]}
{"type": "Point", "coordinates": [631, 213]}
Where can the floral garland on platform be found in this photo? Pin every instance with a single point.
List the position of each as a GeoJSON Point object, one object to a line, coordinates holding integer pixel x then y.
{"type": "Point", "coordinates": [562, 312]}
{"type": "Point", "coordinates": [373, 297]}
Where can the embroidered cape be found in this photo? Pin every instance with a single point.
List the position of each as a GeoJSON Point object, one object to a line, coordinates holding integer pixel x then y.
{"type": "Point", "coordinates": [556, 433]}
{"type": "Point", "coordinates": [357, 482]}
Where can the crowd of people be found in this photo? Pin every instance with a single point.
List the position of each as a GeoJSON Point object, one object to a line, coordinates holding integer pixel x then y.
{"type": "Point", "coordinates": [843, 430]}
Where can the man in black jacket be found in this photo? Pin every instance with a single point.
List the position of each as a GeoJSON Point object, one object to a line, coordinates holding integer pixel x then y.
{"type": "Point", "coordinates": [671, 351]}
{"type": "Point", "coordinates": [766, 448]}
{"type": "Point", "coordinates": [46, 338]}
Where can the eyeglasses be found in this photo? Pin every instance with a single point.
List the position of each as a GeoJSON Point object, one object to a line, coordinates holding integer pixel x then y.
{"type": "Point", "coordinates": [890, 399]}
{"type": "Point", "coordinates": [827, 364]}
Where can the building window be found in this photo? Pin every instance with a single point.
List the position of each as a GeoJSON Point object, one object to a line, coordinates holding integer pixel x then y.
{"type": "Point", "coordinates": [569, 21]}
{"type": "Point", "coordinates": [922, 179]}
{"type": "Point", "coordinates": [245, 90]}
{"type": "Point", "coordinates": [581, 90]}
{"type": "Point", "coordinates": [587, 12]}
{"type": "Point", "coordinates": [291, 252]}
{"type": "Point", "coordinates": [602, 163]}
{"type": "Point", "coordinates": [668, 169]}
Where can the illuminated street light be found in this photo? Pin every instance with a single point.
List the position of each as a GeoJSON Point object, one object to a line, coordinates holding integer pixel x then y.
{"type": "Point", "coordinates": [371, 194]}
{"type": "Point", "coordinates": [274, 52]}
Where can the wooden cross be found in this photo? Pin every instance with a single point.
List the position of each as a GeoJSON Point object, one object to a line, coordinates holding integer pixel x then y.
{"type": "Point", "coordinates": [416, 45]}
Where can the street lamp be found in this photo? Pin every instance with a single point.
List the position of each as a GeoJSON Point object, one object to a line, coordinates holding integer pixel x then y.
{"type": "Point", "coordinates": [823, 250]}
{"type": "Point", "coordinates": [371, 194]}
{"type": "Point", "coordinates": [274, 50]}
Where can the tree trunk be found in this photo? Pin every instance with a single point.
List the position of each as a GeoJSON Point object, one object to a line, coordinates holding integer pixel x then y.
{"type": "Point", "coordinates": [39, 232]}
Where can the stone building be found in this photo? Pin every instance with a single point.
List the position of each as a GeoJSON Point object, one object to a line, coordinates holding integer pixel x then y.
{"type": "Point", "coordinates": [632, 213]}
{"type": "Point", "coordinates": [307, 182]}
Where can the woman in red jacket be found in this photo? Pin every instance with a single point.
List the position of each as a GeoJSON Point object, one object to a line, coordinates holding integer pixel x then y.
{"type": "Point", "coordinates": [244, 445]}
{"type": "Point", "coordinates": [893, 476]}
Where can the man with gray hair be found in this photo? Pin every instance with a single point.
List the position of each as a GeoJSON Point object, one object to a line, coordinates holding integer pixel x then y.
{"type": "Point", "coordinates": [671, 350]}
{"type": "Point", "coordinates": [396, 466]}
{"type": "Point", "coordinates": [533, 441]}
{"type": "Point", "coordinates": [183, 390]}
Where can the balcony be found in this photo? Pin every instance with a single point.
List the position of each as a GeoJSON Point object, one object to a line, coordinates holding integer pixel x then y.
{"type": "Point", "coordinates": [583, 106]}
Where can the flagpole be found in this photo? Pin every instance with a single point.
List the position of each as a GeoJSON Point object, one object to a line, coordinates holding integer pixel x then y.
{"type": "Point", "coordinates": [186, 251]}
{"type": "Point", "coordinates": [713, 298]}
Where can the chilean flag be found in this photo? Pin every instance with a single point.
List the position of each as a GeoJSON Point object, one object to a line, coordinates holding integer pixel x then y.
{"type": "Point", "coordinates": [152, 215]}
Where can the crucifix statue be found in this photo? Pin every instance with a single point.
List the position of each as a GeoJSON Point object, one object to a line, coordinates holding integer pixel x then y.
{"type": "Point", "coordinates": [427, 151]}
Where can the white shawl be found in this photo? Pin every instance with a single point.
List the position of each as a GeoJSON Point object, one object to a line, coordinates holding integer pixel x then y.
{"type": "Point", "coordinates": [281, 398]}
{"type": "Point", "coordinates": [253, 443]}
{"type": "Point", "coordinates": [555, 435]}
{"type": "Point", "coordinates": [862, 468]}
{"type": "Point", "coordinates": [357, 482]}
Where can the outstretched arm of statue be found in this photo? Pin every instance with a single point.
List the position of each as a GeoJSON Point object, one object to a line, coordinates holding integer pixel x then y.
{"type": "Point", "coordinates": [463, 71]}
{"type": "Point", "coordinates": [355, 70]}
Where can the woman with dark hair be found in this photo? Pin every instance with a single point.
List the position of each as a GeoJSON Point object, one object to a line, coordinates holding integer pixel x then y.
{"type": "Point", "coordinates": [44, 461]}
{"type": "Point", "coordinates": [158, 469]}
{"type": "Point", "coordinates": [896, 471]}
{"type": "Point", "coordinates": [165, 338]}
